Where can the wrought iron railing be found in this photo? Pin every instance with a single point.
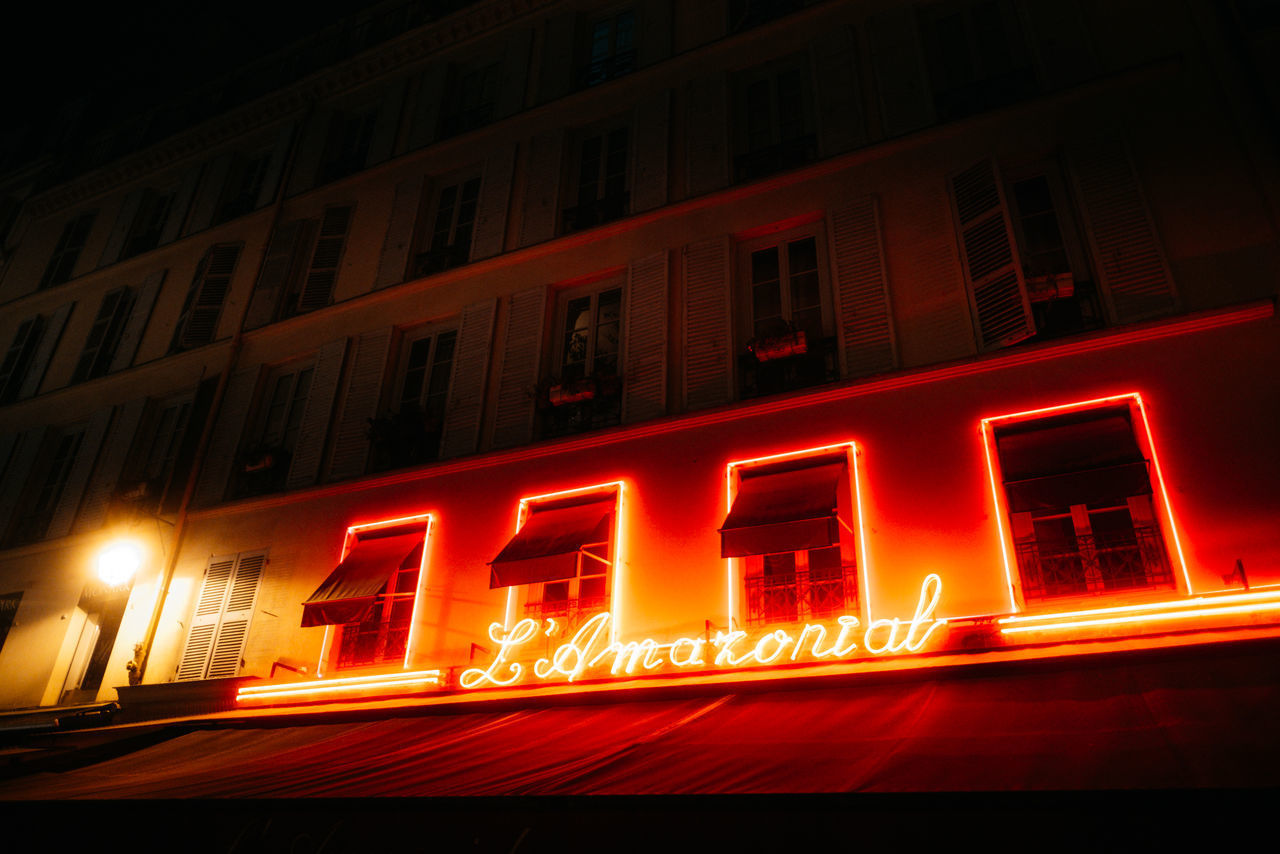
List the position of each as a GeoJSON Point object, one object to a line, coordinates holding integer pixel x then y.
{"type": "Point", "coordinates": [802, 595]}
{"type": "Point", "coordinates": [568, 611]}
{"type": "Point", "coordinates": [1094, 565]}
{"type": "Point", "coordinates": [595, 213]}
{"type": "Point", "coordinates": [819, 364]}
{"type": "Point", "coordinates": [372, 642]}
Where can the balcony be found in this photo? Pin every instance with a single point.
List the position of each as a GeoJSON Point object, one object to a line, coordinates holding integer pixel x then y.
{"type": "Point", "coordinates": [579, 406]}
{"type": "Point", "coordinates": [795, 597]}
{"type": "Point", "coordinates": [780, 371]}
{"type": "Point", "coordinates": [1093, 565]}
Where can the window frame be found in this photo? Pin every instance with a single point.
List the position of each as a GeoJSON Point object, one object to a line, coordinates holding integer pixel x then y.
{"type": "Point", "coordinates": [96, 355]}
{"type": "Point", "coordinates": [571, 403]}
{"type": "Point", "coordinates": [45, 486]}
{"type": "Point", "coordinates": [615, 62]}
{"type": "Point", "coordinates": [427, 258]}
{"type": "Point", "coordinates": [66, 253]}
{"type": "Point", "coordinates": [752, 161]}
{"type": "Point", "coordinates": [262, 465]}
{"type": "Point", "coordinates": [602, 206]}
{"type": "Point", "coordinates": [395, 439]}
{"type": "Point", "coordinates": [20, 356]}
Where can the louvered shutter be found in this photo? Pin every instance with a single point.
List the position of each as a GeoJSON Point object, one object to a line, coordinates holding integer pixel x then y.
{"type": "Point", "coordinates": [44, 351]}
{"type": "Point", "coordinates": [279, 268]}
{"type": "Point", "coordinates": [425, 121]}
{"type": "Point", "coordinates": [228, 429]}
{"type": "Point", "coordinates": [842, 125]}
{"type": "Point", "coordinates": [489, 236]}
{"type": "Point", "coordinates": [210, 194]}
{"type": "Point", "coordinates": [198, 324]}
{"type": "Point", "coordinates": [106, 477]}
{"type": "Point", "coordinates": [144, 300]}
{"type": "Point", "coordinates": [906, 102]}
{"type": "Point", "coordinates": [653, 32]}
{"type": "Point", "coordinates": [555, 78]}
{"type": "Point", "coordinates": [706, 323]}
{"type": "Point", "coordinates": [326, 258]}
{"type": "Point", "coordinates": [467, 385]}
{"type": "Point", "coordinates": [394, 259]}
{"type": "Point", "coordinates": [194, 663]}
{"type": "Point", "coordinates": [515, 74]}
{"type": "Point", "coordinates": [513, 420]}
{"type": "Point", "coordinates": [364, 388]}
{"type": "Point", "coordinates": [304, 467]}
{"type": "Point", "coordinates": [644, 379]}
{"type": "Point", "coordinates": [26, 450]}
{"type": "Point", "coordinates": [383, 141]}
{"type": "Point", "coordinates": [652, 123]}
{"type": "Point", "coordinates": [989, 254]}
{"type": "Point", "coordinates": [233, 628]}
{"type": "Point", "coordinates": [542, 190]}
{"type": "Point", "coordinates": [1122, 237]}
{"type": "Point", "coordinates": [865, 331]}
{"type": "Point", "coordinates": [706, 118]}
{"type": "Point", "coordinates": [73, 490]}
{"type": "Point", "coordinates": [180, 205]}
{"type": "Point", "coordinates": [120, 230]}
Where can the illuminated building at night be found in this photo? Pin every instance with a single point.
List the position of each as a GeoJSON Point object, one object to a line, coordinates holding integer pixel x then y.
{"type": "Point", "coordinates": [552, 349]}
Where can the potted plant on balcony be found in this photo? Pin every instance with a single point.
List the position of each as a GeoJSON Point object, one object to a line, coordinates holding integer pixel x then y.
{"type": "Point", "coordinates": [774, 347]}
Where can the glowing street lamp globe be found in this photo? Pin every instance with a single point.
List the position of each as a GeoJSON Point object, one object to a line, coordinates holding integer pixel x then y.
{"type": "Point", "coordinates": [118, 562]}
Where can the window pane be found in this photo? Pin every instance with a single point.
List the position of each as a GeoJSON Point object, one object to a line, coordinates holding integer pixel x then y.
{"type": "Point", "coordinates": [415, 370]}
{"type": "Point", "coordinates": [577, 333]}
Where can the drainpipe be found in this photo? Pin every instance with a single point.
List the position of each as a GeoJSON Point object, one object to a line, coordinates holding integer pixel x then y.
{"type": "Point", "coordinates": [206, 434]}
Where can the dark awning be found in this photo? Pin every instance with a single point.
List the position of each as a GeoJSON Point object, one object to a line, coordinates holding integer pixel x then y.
{"type": "Point", "coordinates": [783, 511]}
{"type": "Point", "coordinates": [347, 595]}
{"type": "Point", "coordinates": [546, 548]}
{"type": "Point", "coordinates": [1103, 486]}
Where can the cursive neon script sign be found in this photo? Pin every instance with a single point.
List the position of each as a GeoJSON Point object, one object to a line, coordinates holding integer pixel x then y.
{"type": "Point", "coordinates": [590, 652]}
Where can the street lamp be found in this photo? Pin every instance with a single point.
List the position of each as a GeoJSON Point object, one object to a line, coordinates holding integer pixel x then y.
{"type": "Point", "coordinates": [118, 562]}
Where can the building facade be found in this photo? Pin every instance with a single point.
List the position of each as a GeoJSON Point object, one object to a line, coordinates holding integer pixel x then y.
{"type": "Point", "coordinates": [726, 319]}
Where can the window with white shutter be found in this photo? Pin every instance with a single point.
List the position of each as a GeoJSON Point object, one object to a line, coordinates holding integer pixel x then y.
{"type": "Point", "coordinates": [585, 389]}
{"type": "Point", "coordinates": [104, 336]}
{"type": "Point", "coordinates": [411, 431]}
{"type": "Point", "coordinates": [67, 251]}
{"type": "Point", "coordinates": [220, 623]}
{"type": "Point", "coordinates": [314, 289]}
{"type": "Point", "coordinates": [19, 357]}
{"type": "Point", "coordinates": [198, 323]}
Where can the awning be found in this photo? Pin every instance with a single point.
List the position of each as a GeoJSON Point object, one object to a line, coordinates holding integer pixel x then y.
{"type": "Point", "coordinates": [1103, 486]}
{"type": "Point", "coordinates": [546, 548]}
{"type": "Point", "coordinates": [347, 595]}
{"type": "Point", "coordinates": [783, 511]}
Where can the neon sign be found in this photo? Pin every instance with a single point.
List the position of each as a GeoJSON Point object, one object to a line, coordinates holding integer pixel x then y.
{"type": "Point", "coordinates": [590, 651]}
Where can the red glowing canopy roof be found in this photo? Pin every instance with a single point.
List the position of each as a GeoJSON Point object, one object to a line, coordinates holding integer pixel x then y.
{"type": "Point", "coordinates": [783, 510]}
{"type": "Point", "coordinates": [546, 547]}
{"type": "Point", "coordinates": [347, 595]}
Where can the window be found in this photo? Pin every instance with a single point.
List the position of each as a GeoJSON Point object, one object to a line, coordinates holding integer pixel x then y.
{"type": "Point", "coordinates": [104, 335]}
{"type": "Point", "coordinates": [154, 457]}
{"type": "Point", "coordinates": [448, 243]}
{"type": "Point", "coordinates": [243, 186]}
{"type": "Point", "coordinates": [97, 622]}
{"type": "Point", "coordinates": [586, 391]}
{"type": "Point", "coordinates": [264, 464]}
{"type": "Point", "coordinates": [47, 480]}
{"type": "Point", "coordinates": [787, 323]}
{"type": "Point", "coordinates": [198, 323]}
{"type": "Point", "coordinates": [18, 359]}
{"type": "Point", "coordinates": [790, 524]}
{"type": "Point", "coordinates": [314, 289]}
{"type": "Point", "coordinates": [1079, 491]}
{"type": "Point", "coordinates": [611, 49]}
{"type": "Point", "coordinates": [67, 251]}
{"type": "Point", "coordinates": [976, 56]}
{"type": "Point", "coordinates": [773, 119]}
{"type": "Point", "coordinates": [471, 99]}
{"type": "Point", "coordinates": [411, 433]}
{"type": "Point", "coordinates": [602, 194]}
{"type": "Point", "coordinates": [347, 146]}
{"type": "Point", "coordinates": [562, 554]}
{"type": "Point", "coordinates": [148, 223]}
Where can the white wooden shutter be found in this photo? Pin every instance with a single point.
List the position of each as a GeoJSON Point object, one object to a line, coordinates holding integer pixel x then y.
{"type": "Point", "coordinates": [866, 334]}
{"type": "Point", "coordinates": [26, 450]}
{"type": "Point", "coordinates": [73, 490]}
{"type": "Point", "coordinates": [513, 420]}
{"type": "Point", "coordinates": [180, 205]}
{"type": "Point", "coordinates": [394, 259]}
{"type": "Point", "coordinates": [1122, 237]}
{"type": "Point", "coordinates": [542, 190]}
{"type": "Point", "coordinates": [220, 455]}
{"type": "Point", "coordinates": [707, 372]}
{"type": "Point", "coordinates": [652, 124]}
{"type": "Point", "coordinates": [326, 259]}
{"type": "Point", "coordinates": [424, 122]}
{"type": "Point", "coordinates": [44, 350]}
{"type": "Point", "coordinates": [364, 388]}
{"type": "Point", "coordinates": [644, 378]}
{"type": "Point", "coordinates": [198, 323]}
{"type": "Point", "coordinates": [210, 194]}
{"type": "Point", "coordinates": [989, 256]}
{"type": "Point", "coordinates": [304, 467]}
{"type": "Point", "coordinates": [489, 235]}
{"type": "Point", "coordinates": [288, 242]}
{"type": "Point", "coordinates": [194, 663]}
{"type": "Point", "coordinates": [707, 123]}
{"type": "Point", "coordinates": [842, 125]}
{"type": "Point", "coordinates": [120, 231]}
{"type": "Point", "coordinates": [559, 56]}
{"type": "Point", "coordinates": [467, 385]}
{"type": "Point", "coordinates": [906, 102]}
{"type": "Point", "coordinates": [106, 477]}
{"type": "Point", "coordinates": [515, 73]}
{"type": "Point", "coordinates": [220, 622]}
{"type": "Point", "coordinates": [144, 299]}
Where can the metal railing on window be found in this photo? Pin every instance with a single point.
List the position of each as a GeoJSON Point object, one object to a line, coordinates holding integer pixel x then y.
{"type": "Point", "coordinates": [802, 595]}
{"type": "Point", "coordinates": [608, 67]}
{"type": "Point", "coordinates": [596, 213]}
{"type": "Point", "coordinates": [376, 639]}
{"type": "Point", "coordinates": [569, 611]}
{"type": "Point", "coordinates": [1094, 565]}
{"type": "Point", "coordinates": [817, 364]}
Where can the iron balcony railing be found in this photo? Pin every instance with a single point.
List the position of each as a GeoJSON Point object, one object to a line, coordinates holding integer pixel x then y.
{"type": "Point", "coordinates": [1094, 565]}
{"type": "Point", "coordinates": [802, 595]}
{"type": "Point", "coordinates": [569, 611]}
{"type": "Point", "coordinates": [818, 364]}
